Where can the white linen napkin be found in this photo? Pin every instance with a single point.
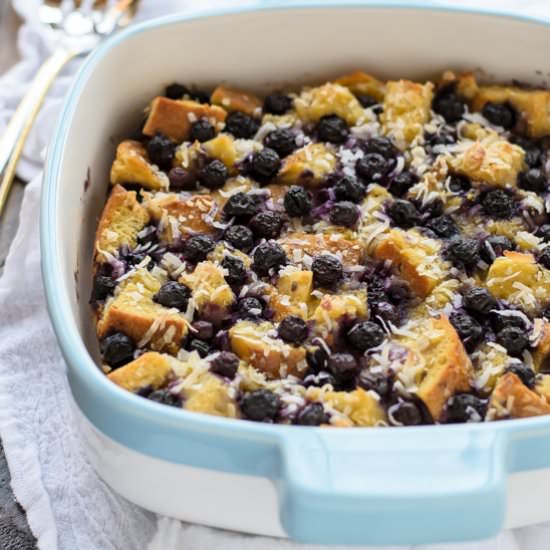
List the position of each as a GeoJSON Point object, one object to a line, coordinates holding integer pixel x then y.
{"type": "Point", "coordinates": [68, 506]}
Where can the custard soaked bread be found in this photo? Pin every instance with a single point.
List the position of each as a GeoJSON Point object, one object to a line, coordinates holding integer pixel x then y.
{"type": "Point", "coordinates": [354, 253]}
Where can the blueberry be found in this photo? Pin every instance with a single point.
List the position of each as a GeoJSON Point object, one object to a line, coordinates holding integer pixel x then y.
{"type": "Point", "coordinates": [502, 321]}
{"type": "Point", "coordinates": [282, 141]}
{"type": "Point", "coordinates": [240, 237]}
{"type": "Point", "coordinates": [403, 213]}
{"type": "Point", "coordinates": [459, 184]}
{"type": "Point", "coordinates": [366, 100]}
{"type": "Point", "coordinates": [526, 374]}
{"type": "Point", "coordinates": [478, 301]}
{"type": "Point", "coordinates": [463, 251]}
{"type": "Point", "coordinates": [342, 365]}
{"type": "Point", "coordinates": [365, 335]}
{"type": "Point", "coordinates": [449, 106]}
{"type": "Point", "coordinates": [266, 224]}
{"type": "Point", "coordinates": [327, 270]}
{"type": "Point", "coordinates": [398, 291]}
{"type": "Point", "coordinates": [372, 167]}
{"type": "Point", "coordinates": [240, 205]}
{"type": "Point", "coordinates": [265, 164]}
{"type": "Point", "coordinates": [320, 379]}
{"type": "Point", "coordinates": [268, 255]}
{"type": "Point", "coordinates": [533, 154]}
{"type": "Point", "coordinates": [513, 339]}
{"type": "Point", "coordinates": [467, 328]}
{"type": "Point", "coordinates": [165, 397]}
{"type": "Point", "coordinates": [544, 257]}
{"type": "Point", "coordinates": [236, 270]}
{"type": "Point", "coordinates": [405, 413]}
{"type": "Point", "coordinates": [293, 329]}
{"type": "Point", "coordinates": [176, 91]}
{"type": "Point", "coordinates": [277, 104]}
{"type": "Point", "coordinates": [241, 125]}
{"type": "Point", "coordinates": [201, 131]}
{"type": "Point", "coordinates": [387, 311]}
{"type": "Point", "coordinates": [544, 232]}
{"type": "Point", "coordinates": [401, 183]}
{"type": "Point", "coordinates": [260, 405]}
{"type": "Point", "coordinates": [160, 150]}
{"type": "Point", "coordinates": [297, 201]}
{"type": "Point", "coordinates": [434, 208]}
{"type": "Point", "coordinates": [200, 96]}
{"type": "Point", "coordinates": [344, 213]}
{"type": "Point", "coordinates": [348, 188]}
{"type": "Point", "coordinates": [500, 114]}
{"type": "Point", "coordinates": [181, 179]}
{"type": "Point", "coordinates": [313, 414]}
{"type": "Point", "coordinates": [316, 359]}
{"type": "Point", "coordinates": [103, 287]}
{"type": "Point", "coordinates": [333, 129]}
{"type": "Point", "coordinates": [465, 407]}
{"type": "Point", "coordinates": [494, 246]}
{"type": "Point", "coordinates": [173, 294]}
{"type": "Point", "coordinates": [203, 330]}
{"type": "Point", "coordinates": [443, 136]}
{"type": "Point", "coordinates": [117, 349]}
{"type": "Point", "coordinates": [225, 364]}
{"type": "Point", "coordinates": [532, 180]}
{"type": "Point", "coordinates": [200, 346]}
{"type": "Point", "coordinates": [250, 308]}
{"type": "Point", "coordinates": [382, 146]}
{"type": "Point", "coordinates": [197, 247]}
{"type": "Point", "coordinates": [213, 175]}
{"type": "Point", "coordinates": [377, 382]}
{"type": "Point", "coordinates": [443, 226]}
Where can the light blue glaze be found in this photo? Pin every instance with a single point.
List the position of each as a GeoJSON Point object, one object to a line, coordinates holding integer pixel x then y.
{"type": "Point", "coordinates": [361, 486]}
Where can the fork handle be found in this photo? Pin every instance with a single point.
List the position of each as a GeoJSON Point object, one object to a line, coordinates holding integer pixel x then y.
{"type": "Point", "coordinates": [14, 136]}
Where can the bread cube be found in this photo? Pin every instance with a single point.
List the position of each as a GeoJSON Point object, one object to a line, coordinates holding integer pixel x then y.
{"type": "Point", "coordinates": [236, 100]}
{"type": "Point", "coordinates": [517, 278]}
{"type": "Point", "coordinates": [133, 312]}
{"type": "Point", "coordinates": [210, 395]}
{"type": "Point", "coordinates": [131, 165]}
{"type": "Point", "coordinates": [257, 345]}
{"type": "Point", "coordinates": [361, 407]}
{"type": "Point", "coordinates": [333, 307]}
{"type": "Point", "coordinates": [183, 216]}
{"type": "Point", "coordinates": [445, 367]}
{"type": "Point", "coordinates": [209, 286]}
{"type": "Point", "coordinates": [174, 118]}
{"type": "Point", "coordinates": [328, 99]}
{"type": "Point", "coordinates": [532, 105]}
{"type": "Point", "coordinates": [492, 160]}
{"type": "Point", "coordinates": [511, 398]}
{"type": "Point", "coordinates": [122, 219]}
{"type": "Point", "coordinates": [307, 166]}
{"type": "Point", "coordinates": [406, 109]}
{"type": "Point", "coordinates": [361, 83]}
{"type": "Point", "coordinates": [149, 370]}
{"type": "Point", "coordinates": [541, 353]}
{"type": "Point", "coordinates": [414, 257]}
{"type": "Point", "coordinates": [298, 244]}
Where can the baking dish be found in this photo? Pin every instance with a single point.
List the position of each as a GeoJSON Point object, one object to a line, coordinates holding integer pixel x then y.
{"type": "Point", "coordinates": [361, 486]}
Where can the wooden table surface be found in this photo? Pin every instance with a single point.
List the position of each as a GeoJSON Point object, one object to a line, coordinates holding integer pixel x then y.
{"type": "Point", "coordinates": [14, 530]}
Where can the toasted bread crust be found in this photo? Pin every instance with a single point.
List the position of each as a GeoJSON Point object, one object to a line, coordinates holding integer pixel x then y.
{"type": "Point", "coordinates": [511, 398]}
{"type": "Point", "coordinates": [122, 219]}
{"type": "Point", "coordinates": [174, 118]}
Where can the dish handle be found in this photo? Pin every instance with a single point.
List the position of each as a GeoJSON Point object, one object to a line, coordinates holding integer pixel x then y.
{"type": "Point", "coordinates": [392, 486]}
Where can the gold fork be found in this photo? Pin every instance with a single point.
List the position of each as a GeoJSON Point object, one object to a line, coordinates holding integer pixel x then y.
{"type": "Point", "coordinates": [78, 28]}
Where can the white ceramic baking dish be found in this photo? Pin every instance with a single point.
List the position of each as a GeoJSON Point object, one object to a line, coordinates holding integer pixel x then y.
{"type": "Point", "coordinates": [400, 485]}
